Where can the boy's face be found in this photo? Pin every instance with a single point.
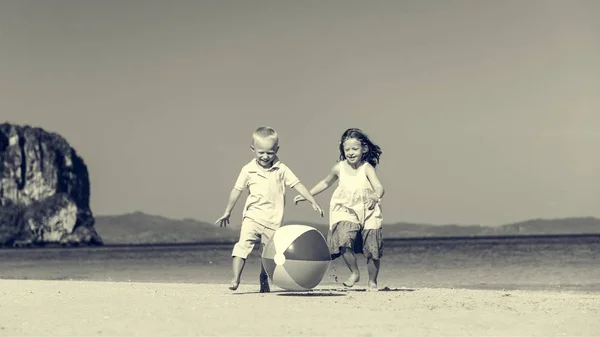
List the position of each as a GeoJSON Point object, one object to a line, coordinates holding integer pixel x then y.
{"type": "Point", "coordinates": [265, 151]}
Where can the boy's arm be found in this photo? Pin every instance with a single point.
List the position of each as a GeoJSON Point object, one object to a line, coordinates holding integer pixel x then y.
{"type": "Point", "coordinates": [238, 187]}
{"type": "Point", "coordinates": [292, 181]}
{"type": "Point", "coordinates": [303, 191]}
{"type": "Point", "coordinates": [234, 195]}
{"type": "Point", "coordinates": [306, 194]}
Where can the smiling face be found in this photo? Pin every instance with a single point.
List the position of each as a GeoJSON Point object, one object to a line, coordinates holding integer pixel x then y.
{"type": "Point", "coordinates": [265, 151]}
{"type": "Point", "coordinates": [353, 151]}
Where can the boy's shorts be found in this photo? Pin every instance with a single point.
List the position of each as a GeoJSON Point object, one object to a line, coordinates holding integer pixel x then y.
{"type": "Point", "coordinates": [251, 233]}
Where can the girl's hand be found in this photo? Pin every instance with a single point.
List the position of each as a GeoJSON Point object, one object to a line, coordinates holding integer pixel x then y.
{"type": "Point", "coordinates": [371, 202]}
{"type": "Point", "coordinates": [298, 198]}
{"type": "Point", "coordinates": [223, 221]}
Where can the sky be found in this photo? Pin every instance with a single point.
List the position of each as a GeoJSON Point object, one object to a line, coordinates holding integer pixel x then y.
{"type": "Point", "coordinates": [487, 112]}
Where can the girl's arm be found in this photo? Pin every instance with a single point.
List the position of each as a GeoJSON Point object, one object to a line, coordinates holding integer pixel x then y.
{"type": "Point", "coordinates": [374, 180]}
{"type": "Point", "coordinates": [327, 182]}
{"type": "Point", "coordinates": [321, 185]}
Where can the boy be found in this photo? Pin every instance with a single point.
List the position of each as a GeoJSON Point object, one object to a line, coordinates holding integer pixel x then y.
{"type": "Point", "coordinates": [266, 178]}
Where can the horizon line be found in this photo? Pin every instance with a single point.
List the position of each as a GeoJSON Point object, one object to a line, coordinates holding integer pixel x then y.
{"type": "Point", "coordinates": [289, 222]}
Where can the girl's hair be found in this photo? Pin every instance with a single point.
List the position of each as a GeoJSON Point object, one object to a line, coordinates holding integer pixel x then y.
{"type": "Point", "coordinates": [373, 150]}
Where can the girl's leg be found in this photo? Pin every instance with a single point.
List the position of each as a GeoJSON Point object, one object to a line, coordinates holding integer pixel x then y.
{"type": "Point", "coordinates": [352, 264]}
{"type": "Point", "coordinates": [373, 251]}
{"type": "Point", "coordinates": [373, 267]}
{"type": "Point", "coordinates": [338, 239]}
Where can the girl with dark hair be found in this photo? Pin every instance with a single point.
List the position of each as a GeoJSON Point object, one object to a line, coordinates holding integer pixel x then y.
{"type": "Point", "coordinates": [355, 217]}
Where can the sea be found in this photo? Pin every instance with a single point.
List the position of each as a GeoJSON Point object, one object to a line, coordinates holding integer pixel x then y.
{"type": "Point", "coordinates": [558, 263]}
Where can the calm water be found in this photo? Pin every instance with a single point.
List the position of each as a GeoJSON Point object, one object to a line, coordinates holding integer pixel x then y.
{"type": "Point", "coordinates": [558, 263]}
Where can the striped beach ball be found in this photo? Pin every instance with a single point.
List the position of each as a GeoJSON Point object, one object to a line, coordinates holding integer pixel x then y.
{"type": "Point", "coordinates": [296, 258]}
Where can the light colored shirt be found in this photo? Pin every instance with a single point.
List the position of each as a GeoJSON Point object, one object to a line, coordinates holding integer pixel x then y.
{"type": "Point", "coordinates": [266, 198]}
{"type": "Point", "coordinates": [348, 201]}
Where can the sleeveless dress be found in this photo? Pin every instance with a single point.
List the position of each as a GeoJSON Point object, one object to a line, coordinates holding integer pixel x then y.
{"type": "Point", "coordinates": [351, 224]}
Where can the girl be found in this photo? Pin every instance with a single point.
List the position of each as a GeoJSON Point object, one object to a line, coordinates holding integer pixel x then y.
{"type": "Point", "coordinates": [355, 217]}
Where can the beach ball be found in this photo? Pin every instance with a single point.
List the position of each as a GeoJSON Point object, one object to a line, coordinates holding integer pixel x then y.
{"type": "Point", "coordinates": [296, 258]}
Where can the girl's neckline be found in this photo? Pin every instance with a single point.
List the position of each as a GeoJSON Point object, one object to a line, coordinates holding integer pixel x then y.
{"type": "Point", "coordinates": [353, 172]}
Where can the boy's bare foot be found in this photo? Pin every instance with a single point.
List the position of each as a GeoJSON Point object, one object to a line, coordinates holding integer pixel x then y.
{"type": "Point", "coordinates": [352, 280]}
{"type": "Point", "coordinates": [234, 284]}
{"type": "Point", "coordinates": [264, 288]}
{"type": "Point", "coordinates": [264, 284]}
{"type": "Point", "coordinates": [372, 286]}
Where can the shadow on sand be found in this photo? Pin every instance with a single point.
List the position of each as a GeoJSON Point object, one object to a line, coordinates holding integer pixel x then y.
{"type": "Point", "coordinates": [322, 292]}
{"type": "Point", "coordinates": [310, 293]}
{"type": "Point", "coordinates": [396, 289]}
{"type": "Point", "coordinates": [296, 293]}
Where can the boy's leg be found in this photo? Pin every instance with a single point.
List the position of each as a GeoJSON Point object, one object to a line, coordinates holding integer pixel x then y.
{"type": "Point", "coordinates": [248, 238]}
{"type": "Point", "coordinates": [238, 267]}
{"type": "Point", "coordinates": [266, 236]}
{"type": "Point", "coordinates": [263, 278]}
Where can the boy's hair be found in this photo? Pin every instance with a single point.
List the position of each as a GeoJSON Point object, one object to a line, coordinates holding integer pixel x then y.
{"type": "Point", "coordinates": [373, 150]}
{"type": "Point", "coordinates": [267, 133]}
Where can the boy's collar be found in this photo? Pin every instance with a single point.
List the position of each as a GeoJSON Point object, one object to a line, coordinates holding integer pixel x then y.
{"type": "Point", "coordinates": [256, 166]}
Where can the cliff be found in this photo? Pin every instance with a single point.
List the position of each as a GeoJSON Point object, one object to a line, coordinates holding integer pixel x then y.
{"type": "Point", "coordinates": [44, 190]}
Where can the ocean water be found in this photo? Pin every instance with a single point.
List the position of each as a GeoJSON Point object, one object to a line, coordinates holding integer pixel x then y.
{"type": "Point", "coordinates": [570, 263]}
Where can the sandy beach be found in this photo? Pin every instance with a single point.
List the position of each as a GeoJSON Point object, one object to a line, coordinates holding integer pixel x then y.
{"type": "Point", "coordinates": [73, 308]}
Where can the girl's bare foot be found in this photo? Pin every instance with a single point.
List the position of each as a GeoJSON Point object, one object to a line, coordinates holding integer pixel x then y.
{"type": "Point", "coordinates": [352, 280]}
{"type": "Point", "coordinates": [234, 284]}
{"type": "Point", "coordinates": [372, 286]}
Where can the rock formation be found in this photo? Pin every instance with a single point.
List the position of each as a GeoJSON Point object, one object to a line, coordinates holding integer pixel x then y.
{"type": "Point", "coordinates": [44, 190]}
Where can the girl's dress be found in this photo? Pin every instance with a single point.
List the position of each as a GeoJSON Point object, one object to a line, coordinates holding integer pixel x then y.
{"type": "Point", "coordinates": [351, 224]}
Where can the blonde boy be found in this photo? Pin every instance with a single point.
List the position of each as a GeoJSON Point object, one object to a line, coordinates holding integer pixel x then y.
{"type": "Point", "coordinates": [266, 178]}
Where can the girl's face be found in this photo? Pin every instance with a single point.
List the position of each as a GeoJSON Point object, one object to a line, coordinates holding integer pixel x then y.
{"type": "Point", "coordinates": [353, 150]}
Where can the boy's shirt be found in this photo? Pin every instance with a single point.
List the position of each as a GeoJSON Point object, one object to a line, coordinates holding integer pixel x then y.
{"type": "Point", "coordinates": [266, 199]}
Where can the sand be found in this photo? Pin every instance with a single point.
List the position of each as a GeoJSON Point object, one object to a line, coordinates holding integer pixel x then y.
{"type": "Point", "coordinates": [73, 308]}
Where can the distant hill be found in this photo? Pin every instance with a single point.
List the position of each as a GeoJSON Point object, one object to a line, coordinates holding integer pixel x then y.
{"type": "Point", "coordinates": [567, 226]}
{"type": "Point", "coordinates": [142, 228]}
{"type": "Point", "coordinates": [405, 229]}
{"type": "Point", "coordinates": [582, 225]}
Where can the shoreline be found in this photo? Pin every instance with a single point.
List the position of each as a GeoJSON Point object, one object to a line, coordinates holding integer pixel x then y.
{"type": "Point", "coordinates": [575, 289]}
{"type": "Point", "coordinates": [231, 241]}
{"type": "Point", "coordinates": [102, 308]}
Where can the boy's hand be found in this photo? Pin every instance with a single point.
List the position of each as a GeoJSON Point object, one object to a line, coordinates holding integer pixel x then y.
{"type": "Point", "coordinates": [223, 221]}
{"type": "Point", "coordinates": [317, 208]}
{"type": "Point", "coordinates": [298, 198]}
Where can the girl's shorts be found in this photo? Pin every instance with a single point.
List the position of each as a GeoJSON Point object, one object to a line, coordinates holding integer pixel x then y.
{"type": "Point", "coordinates": [346, 234]}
